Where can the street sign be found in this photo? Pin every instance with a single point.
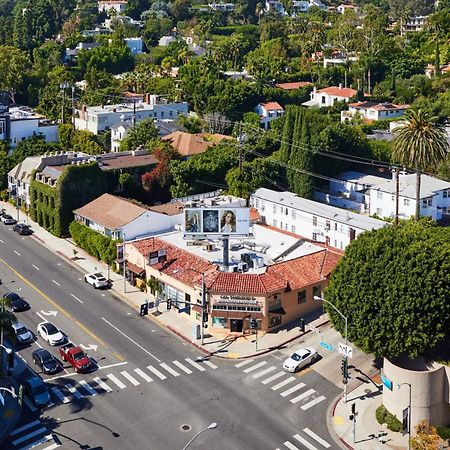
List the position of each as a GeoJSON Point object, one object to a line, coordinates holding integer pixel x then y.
{"type": "Point", "coordinates": [345, 350]}
{"type": "Point", "coordinates": [386, 381]}
{"type": "Point", "coordinates": [327, 346]}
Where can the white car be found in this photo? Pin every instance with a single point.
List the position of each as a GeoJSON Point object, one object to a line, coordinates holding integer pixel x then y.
{"type": "Point", "coordinates": [22, 333]}
{"type": "Point", "coordinates": [300, 358]}
{"type": "Point", "coordinates": [51, 334]}
{"type": "Point", "coordinates": [96, 279]}
{"type": "Point", "coordinates": [7, 219]}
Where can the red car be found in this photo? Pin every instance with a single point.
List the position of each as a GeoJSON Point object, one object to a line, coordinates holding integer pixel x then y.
{"type": "Point", "coordinates": [76, 357]}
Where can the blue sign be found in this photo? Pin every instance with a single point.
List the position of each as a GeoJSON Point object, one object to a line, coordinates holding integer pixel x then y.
{"type": "Point", "coordinates": [386, 381]}
{"type": "Point", "coordinates": [327, 346]}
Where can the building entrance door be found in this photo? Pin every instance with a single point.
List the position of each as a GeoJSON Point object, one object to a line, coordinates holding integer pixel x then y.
{"type": "Point", "coordinates": [236, 325]}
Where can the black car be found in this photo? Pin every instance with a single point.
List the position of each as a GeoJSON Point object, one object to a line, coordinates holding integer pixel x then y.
{"type": "Point", "coordinates": [46, 361]}
{"type": "Point", "coordinates": [17, 302]}
{"type": "Point", "coordinates": [22, 229]}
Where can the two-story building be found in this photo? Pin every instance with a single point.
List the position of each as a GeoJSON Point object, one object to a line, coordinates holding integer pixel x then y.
{"type": "Point", "coordinates": [329, 95]}
{"type": "Point", "coordinates": [268, 112]}
{"type": "Point", "coordinates": [221, 6]}
{"type": "Point", "coordinates": [371, 111]}
{"type": "Point", "coordinates": [118, 6]}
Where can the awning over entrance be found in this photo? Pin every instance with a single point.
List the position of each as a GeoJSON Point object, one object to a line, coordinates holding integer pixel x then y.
{"type": "Point", "coordinates": [135, 269]}
{"type": "Point", "coordinates": [278, 311]}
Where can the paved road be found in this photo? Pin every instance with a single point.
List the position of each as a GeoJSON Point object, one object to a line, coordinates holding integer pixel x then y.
{"type": "Point", "coordinates": [150, 390]}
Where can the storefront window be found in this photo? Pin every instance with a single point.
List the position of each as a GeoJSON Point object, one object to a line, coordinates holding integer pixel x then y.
{"type": "Point", "coordinates": [274, 320]}
{"type": "Point", "coordinates": [219, 322]}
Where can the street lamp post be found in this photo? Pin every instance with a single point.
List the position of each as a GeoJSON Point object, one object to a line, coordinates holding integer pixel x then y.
{"type": "Point", "coordinates": [346, 336]}
{"type": "Point", "coordinates": [202, 332]}
{"type": "Point", "coordinates": [211, 426]}
{"type": "Point", "coordinates": [409, 411]}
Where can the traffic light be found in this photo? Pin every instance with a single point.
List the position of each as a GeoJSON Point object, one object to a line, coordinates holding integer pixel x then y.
{"type": "Point", "coordinates": [344, 370]}
{"type": "Point", "coordinates": [302, 325]}
{"type": "Point", "coordinates": [169, 304]}
{"type": "Point", "coordinates": [205, 317]}
{"type": "Point", "coordinates": [253, 324]}
{"type": "Point", "coordinates": [144, 309]}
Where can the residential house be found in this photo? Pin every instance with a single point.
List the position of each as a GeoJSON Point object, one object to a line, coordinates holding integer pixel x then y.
{"type": "Point", "coordinates": [370, 111]}
{"type": "Point", "coordinates": [343, 8]}
{"type": "Point", "coordinates": [267, 112]}
{"type": "Point", "coordinates": [293, 85]}
{"type": "Point", "coordinates": [221, 6]}
{"type": "Point", "coordinates": [188, 144]}
{"type": "Point", "coordinates": [237, 75]}
{"type": "Point", "coordinates": [312, 220]}
{"type": "Point", "coordinates": [415, 23]}
{"type": "Point", "coordinates": [329, 95]}
{"type": "Point", "coordinates": [134, 44]}
{"type": "Point", "coordinates": [164, 41]}
{"type": "Point", "coordinates": [70, 55]}
{"type": "Point", "coordinates": [297, 6]}
{"type": "Point", "coordinates": [118, 6]}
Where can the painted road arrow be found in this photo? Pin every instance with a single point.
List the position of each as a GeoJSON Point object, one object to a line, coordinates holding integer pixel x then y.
{"type": "Point", "coordinates": [89, 347]}
{"type": "Point", "coordinates": [49, 313]}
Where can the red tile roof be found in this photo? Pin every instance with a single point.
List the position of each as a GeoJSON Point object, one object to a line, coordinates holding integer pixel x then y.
{"type": "Point", "coordinates": [248, 283]}
{"type": "Point", "coordinates": [272, 106]}
{"type": "Point", "coordinates": [338, 92]}
{"type": "Point", "coordinates": [293, 85]}
{"type": "Point", "coordinates": [254, 215]}
{"type": "Point", "coordinates": [189, 144]}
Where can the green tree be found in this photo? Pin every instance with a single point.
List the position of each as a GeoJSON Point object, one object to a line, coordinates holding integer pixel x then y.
{"type": "Point", "coordinates": [7, 318]}
{"type": "Point", "coordinates": [13, 67]}
{"type": "Point", "coordinates": [143, 133]}
{"type": "Point", "coordinates": [392, 284]}
{"type": "Point", "coordinates": [419, 143]}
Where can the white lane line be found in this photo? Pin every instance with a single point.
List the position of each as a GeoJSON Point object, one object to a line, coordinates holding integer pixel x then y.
{"type": "Point", "coordinates": [243, 363]}
{"type": "Point", "coordinates": [143, 375]}
{"type": "Point", "coordinates": [305, 442]}
{"type": "Point", "coordinates": [76, 298]}
{"type": "Point", "coordinates": [317, 438]}
{"type": "Point", "coordinates": [36, 267]}
{"type": "Point", "coordinates": [170, 370]}
{"type": "Point", "coordinates": [45, 439]}
{"type": "Point", "coordinates": [1, 241]}
{"type": "Point", "coordinates": [312, 403]}
{"type": "Point", "coordinates": [264, 372]}
{"type": "Point", "coordinates": [57, 284]}
{"type": "Point", "coordinates": [256, 366]}
{"type": "Point", "coordinates": [113, 365]}
{"type": "Point", "coordinates": [29, 436]}
{"type": "Point", "coordinates": [116, 381]}
{"type": "Point", "coordinates": [156, 372]}
{"type": "Point", "coordinates": [282, 383]}
{"type": "Point", "coordinates": [51, 447]}
{"type": "Point", "coordinates": [292, 389]}
{"type": "Point", "coordinates": [24, 427]}
{"type": "Point", "coordinates": [60, 395]}
{"type": "Point", "coordinates": [73, 391]}
{"type": "Point", "coordinates": [273, 377]}
{"type": "Point", "coordinates": [132, 340]}
{"type": "Point", "coordinates": [16, 252]}
{"type": "Point", "coordinates": [30, 405]}
{"type": "Point", "coordinates": [194, 364]}
{"type": "Point", "coordinates": [210, 364]}
{"type": "Point", "coordinates": [180, 366]}
{"type": "Point", "coordinates": [130, 378]}
{"type": "Point", "coordinates": [302, 396]}
{"type": "Point", "coordinates": [102, 384]}
{"type": "Point", "coordinates": [88, 387]}
{"type": "Point", "coordinates": [290, 446]}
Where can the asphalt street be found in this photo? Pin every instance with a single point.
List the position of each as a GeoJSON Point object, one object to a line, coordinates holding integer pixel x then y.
{"type": "Point", "coordinates": [149, 390]}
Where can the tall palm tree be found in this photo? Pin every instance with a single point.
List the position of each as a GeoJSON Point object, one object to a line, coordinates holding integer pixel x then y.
{"type": "Point", "coordinates": [421, 142]}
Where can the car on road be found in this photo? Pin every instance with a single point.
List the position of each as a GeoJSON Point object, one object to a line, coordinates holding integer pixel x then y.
{"type": "Point", "coordinates": [22, 229]}
{"type": "Point", "coordinates": [76, 357]}
{"type": "Point", "coordinates": [22, 334]}
{"type": "Point", "coordinates": [7, 219]}
{"type": "Point", "coordinates": [37, 390]}
{"type": "Point", "coordinates": [51, 334]}
{"type": "Point", "coordinates": [17, 303]}
{"type": "Point", "coordinates": [301, 358]}
{"type": "Point", "coordinates": [96, 279]}
{"type": "Point", "coordinates": [46, 361]}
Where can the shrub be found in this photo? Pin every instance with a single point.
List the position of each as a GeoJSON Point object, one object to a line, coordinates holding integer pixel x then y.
{"type": "Point", "coordinates": [384, 416]}
{"type": "Point", "coordinates": [444, 432]}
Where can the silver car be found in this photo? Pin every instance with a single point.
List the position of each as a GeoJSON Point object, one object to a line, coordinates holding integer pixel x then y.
{"type": "Point", "coordinates": [22, 333]}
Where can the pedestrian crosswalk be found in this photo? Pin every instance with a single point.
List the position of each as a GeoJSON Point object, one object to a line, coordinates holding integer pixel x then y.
{"type": "Point", "coordinates": [311, 441]}
{"type": "Point", "coordinates": [33, 435]}
{"type": "Point", "coordinates": [284, 384]}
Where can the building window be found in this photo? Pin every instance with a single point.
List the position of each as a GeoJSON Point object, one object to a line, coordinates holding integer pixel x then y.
{"type": "Point", "coordinates": [446, 193]}
{"type": "Point", "coordinates": [406, 202]}
{"type": "Point", "coordinates": [256, 203]}
{"type": "Point", "coordinates": [379, 195]}
{"type": "Point", "coordinates": [219, 322]}
{"type": "Point", "coordinates": [379, 212]}
{"type": "Point", "coordinates": [274, 223]}
{"type": "Point", "coordinates": [293, 229]}
{"type": "Point", "coordinates": [293, 215]}
{"type": "Point", "coordinates": [335, 226]}
{"type": "Point", "coordinates": [317, 291]}
{"type": "Point", "coordinates": [274, 320]}
{"type": "Point", "coordinates": [323, 99]}
{"type": "Point", "coordinates": [327, 225]}
{"type": "Point", "coordinates": [274, 209]}
{"type": "Point", "coordinates": [314, 221]}
{"type": "Point", "coordinates": [281, 225]}
{"type": "Point", "coordinates": [393, 197]}
{"type": "Point", "coordinates": [427, 202]}
{"type": "Point", "coordinates": [301, 297]}
{"type": "Point", "coordinates": [287, 212]}
{"type": "Point", "coordinates": [314, 236]}
{"type": "Point", "coordinates": [335, 243]}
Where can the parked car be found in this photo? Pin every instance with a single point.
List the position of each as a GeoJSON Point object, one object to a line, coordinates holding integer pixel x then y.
{"type": "Point", "coordinates": [22, 229]}
{"type": "Point", "coordinates": [96, 279]}
{"type": "Point", "coordinates": [76, 357]}
{"type": "Point", "coordinates": [17, 302]}
{"type": "Point", "coordinates": [22, 333]}
{"type": "Point", "coordinates": [51, 334]}
{"type": "Point", "coordinates": [300, 358]}
{"type": "Point", "coordinates": [37, 390]}
{"type": "Point", "coordinates": [7, 219]}
{"type": "Point", "coordinates": [46, 361]}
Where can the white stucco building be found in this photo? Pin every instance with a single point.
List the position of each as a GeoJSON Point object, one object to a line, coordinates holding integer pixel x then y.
{"type": "Point", "coordinates": [221, 6]}
{"type": "Point", "coordinates": [329, 95]}
{"type": "Point", "coordinates": [268, 112]}
{"type": "Point", "coordinates": [374, 111]}
{"type": "Point", "coordinates": [118, 6]}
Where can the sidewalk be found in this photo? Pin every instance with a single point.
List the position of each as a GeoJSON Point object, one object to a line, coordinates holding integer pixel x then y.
{"type": "Point", "coordinates": [220, 344]}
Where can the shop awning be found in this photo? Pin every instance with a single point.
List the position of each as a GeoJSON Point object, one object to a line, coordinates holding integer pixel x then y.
{"type": "Point", "coordinates": [278, 311]}
{"type": "Point", "coordinates": [135, 269]}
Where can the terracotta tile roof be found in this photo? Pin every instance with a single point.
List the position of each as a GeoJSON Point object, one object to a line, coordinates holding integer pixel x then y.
{"type": "Point", "coordinates": [254, 215]}
{"type": "Point", "coordinates": [338, 92]}
{"type": "Point", "coordinates": [272, 106]}
{"type": "Point", "coordinates": [233, 283]}
{"type": "Point", "coordinates": [110, 211]}
{"type": "Point", "coordinates": [169, 209]}
{"type": "Point", "coordinates": [293, 85]}
{"type": "Point", "coordinates": [192, 144]}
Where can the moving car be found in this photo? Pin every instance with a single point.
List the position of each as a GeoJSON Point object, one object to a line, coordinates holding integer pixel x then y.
{"type": "Point", "coordinates": [22, 229]}
{"type": "Point", "coordinates": [17, 302]}
{"type": "Point", "coordinates": [22, 333]}
{"type": "Point", "coordinates": [46, 361]}
{"type": "Point", "coordinates": [36, 389]}
{"type": "Point", "coordinates": [300, 358]}
{"type": "Point", "coordinates": [51, 334]}
{"type": "Point", "coordinates": [76, 357]}
{"type": "Point", "coordinates": [7, 219]}
{"type": "Point", "coordinates": [96, 279]}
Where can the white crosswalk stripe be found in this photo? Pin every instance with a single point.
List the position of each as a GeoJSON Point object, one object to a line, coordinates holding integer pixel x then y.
{"type": "Point", "coordinates": [273, 377]}
{"type": "Point", "coordinates": [88, 387]}
{"type": "Point", "coordinates": [29, 436]}
{"type": "Point", "coordinates": [116, 381]}
{"type": "Point", "coordinates": [290, 446]}
{"type": "Point", "coordinates": [292, 389]}
{"type": "Point", "coordinates": [302, 396]}
{"type": "Point", "coordinates": [169, 369]}
{"type": "Point", "coordinates": [255, 367]}
{"type": "Point", "coordinates": [316, 438]}
{"type": "Point", "coordinates": [264, 372]}
{"type": "Point", "coordinates": [305, 442]}
{"type": "Point", "coordinates": [210, 364]}
{"type": "Point", "coordinates": [143, 375]}
{"type": "Point", "coordinates": [60, 395]}
{"type": "Point", "coordinates": [131, 379]}
{"type": "Point", "coordinates": [194, 364]}
{"type": "Point", "coordinates": [244, 363]}
{"type": "Point", "coordinates": [156, 372]}
{"type": "Point", "coordinates": [45, 439]}
{"type": "Point", "coordinates": [282, 383]}
{"type": "Point", "coordinates": [50, 447]}
{"type": "Point", "coordinates": [312, 403]}
{"type": "Point", "coordinates": [25, 427]}
{"type": "Point", "coordinates": [73, 391]}
{"type": "Point", "coordinates": [180, 366]}
{"type": "Point", "coordinates": [102, 384]}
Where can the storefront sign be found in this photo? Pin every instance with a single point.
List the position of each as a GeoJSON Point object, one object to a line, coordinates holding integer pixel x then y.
{"type": "Point", "coordinates": [238, 299]}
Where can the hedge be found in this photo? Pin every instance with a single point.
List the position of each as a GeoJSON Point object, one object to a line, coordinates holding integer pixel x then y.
{"type": "Point", "coordinates": [384, 416]}
{"type": "Point", "coordinates": [96, 244]}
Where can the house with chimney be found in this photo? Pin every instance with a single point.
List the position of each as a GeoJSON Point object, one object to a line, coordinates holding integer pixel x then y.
{"type": "Point", "coordinates": [268, 112]}
{"type": "Point", "coordinates": [328, 96]}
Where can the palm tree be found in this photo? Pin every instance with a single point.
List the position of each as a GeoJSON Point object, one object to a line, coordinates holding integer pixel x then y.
{"type": "Point", "coordinates": [419, 143]}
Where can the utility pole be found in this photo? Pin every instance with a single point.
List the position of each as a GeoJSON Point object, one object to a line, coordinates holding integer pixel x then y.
{"type": "Point", "coordinates": [397, 194]}
{"type": "Point", "coordinates": [124, 265]}
{"type": "Point", "coordinates": [73, 106]}
{"type": "Point", "coordinates": [63, 87]}
{"type": "Point", "coordinates": [241, 141]}
{"type": "Point", "coordinates": [202, 331]}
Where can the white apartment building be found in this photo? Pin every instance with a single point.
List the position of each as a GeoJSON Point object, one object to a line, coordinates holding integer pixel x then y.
{"type": "Point", "coordinates": [21, 122]}
{"type": "Point", "coordinates": [329, 95]}
{"type": "Point", "coordinates": [268, 112]}
{"type": "Point", "coordinates": [298, 6]}
{"type": "Point", "coordinates": [100, 118]}
{"type": "Point", "coordinates": [373, 110]}
{"type": "Point", "coordinates": [118, 6]}
{"type": "Point", "coordinates": [315, 221]}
